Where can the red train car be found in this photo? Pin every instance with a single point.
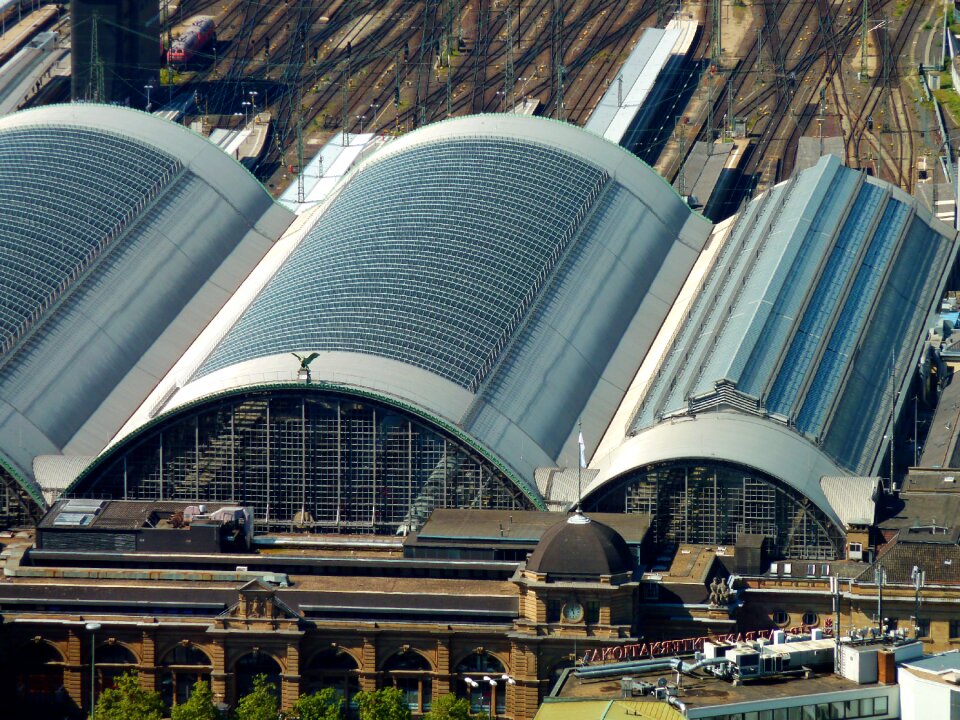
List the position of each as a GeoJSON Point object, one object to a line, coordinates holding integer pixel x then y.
{"type": "Point", "coordinates": [185, 48]}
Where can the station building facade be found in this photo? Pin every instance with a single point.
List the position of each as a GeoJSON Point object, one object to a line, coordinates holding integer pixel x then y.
{"type": "Point", "coordinates": [352, 621]}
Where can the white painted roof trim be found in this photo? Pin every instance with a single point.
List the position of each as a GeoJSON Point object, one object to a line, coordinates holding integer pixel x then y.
{"type": "Point", "coordinates": [729, 436]}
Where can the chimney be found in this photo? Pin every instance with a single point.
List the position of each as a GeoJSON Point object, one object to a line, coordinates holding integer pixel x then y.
{"type": "Point", "coordinates": [887, 667]}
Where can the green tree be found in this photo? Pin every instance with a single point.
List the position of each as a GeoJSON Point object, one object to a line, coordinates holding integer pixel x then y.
{"type": "Point", "coordinates": [260, 703]}
{"type": "Point", "coordinates": [199, 706]}
{"type": "Point", "coordinates": [386, 704]}
{"type": "Point", "coordinates": [128, 701]}
{"type": "Point", "coordinates": [449, 707]}
{"type": "Point", "coordinates": [323, 705]}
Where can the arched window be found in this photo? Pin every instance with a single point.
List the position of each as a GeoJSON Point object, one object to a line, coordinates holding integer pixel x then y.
{"type": "Point", "coordinates": [391, 467]}
{"type": "Point", "coordinates": [480, 679]}
{"type": "Point", "coordinates": [112, 661]}
{"type": "Point", "coordinates": [410, 672]}
{"type": "Point", "coordinates": [36, 671]}
{"type": "Point", "coordinates": [251, 665]}
{"type": "Point", "coordinates": [721, 501]}
{"type": "Point", "coordinates": [333, 668]}
{"type": "Point", "coordinates": [181, 668]}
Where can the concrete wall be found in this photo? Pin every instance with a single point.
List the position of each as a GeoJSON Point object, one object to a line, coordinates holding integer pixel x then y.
{"type": "Point", "coordinates": [922, 699]}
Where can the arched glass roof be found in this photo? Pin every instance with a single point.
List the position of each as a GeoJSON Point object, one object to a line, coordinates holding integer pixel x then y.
{"type": "Point", "coordinates": [54, 227]}
{"type": "Point", "coordinates": [306, 457]}
{"type": "Point", "coordinates": [714, 502]}
{"type": "Point", "coordinates": [121, 236]}
{"type": "Point", "coordinates": [430, 257]}
{"type": "Point", "coordinates": [504, 273]}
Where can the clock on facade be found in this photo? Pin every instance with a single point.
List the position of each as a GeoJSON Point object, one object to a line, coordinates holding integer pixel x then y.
{"type": "Point", "coordinates": [573, 611]}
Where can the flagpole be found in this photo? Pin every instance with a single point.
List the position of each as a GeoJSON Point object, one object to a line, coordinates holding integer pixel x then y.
{"type": "Point", "coordinates": [579, 461]}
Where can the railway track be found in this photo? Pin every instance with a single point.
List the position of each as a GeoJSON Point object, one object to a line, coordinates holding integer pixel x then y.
{"type": "Point", "coordinates": [808, 69]}
{"type": "Point", "coordinates": [532, 61]}
{"type": "Point", "coordinates": [285, 54]}
{"type": "Point", "coordinates": [882, 102]}
{"type": "Point", "coordinates": [741, 77]}
{"type": "Point", "coordinates": [399, 43]}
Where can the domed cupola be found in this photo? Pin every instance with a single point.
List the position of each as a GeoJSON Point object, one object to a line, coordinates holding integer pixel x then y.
{"type": "Point", "coordinates": [578, 549]}
{"type": "Point", "coordinates": [579, 580]}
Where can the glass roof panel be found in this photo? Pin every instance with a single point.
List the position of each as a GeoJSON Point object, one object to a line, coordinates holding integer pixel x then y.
{"type": "Point", "coordinates": [427, 257]}
{"type": "Point", "coordinates": [64, 194]}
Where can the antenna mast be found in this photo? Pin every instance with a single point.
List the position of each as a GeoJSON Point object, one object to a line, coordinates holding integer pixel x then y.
{"type": "Point", "coordinates": [557, 42]}
{"type": "Point", "coordinates": [581, 461]}
{"type": "Point", "coordinates": [95, 87]}
{"type": "Point", "coordinates": [508, 71]}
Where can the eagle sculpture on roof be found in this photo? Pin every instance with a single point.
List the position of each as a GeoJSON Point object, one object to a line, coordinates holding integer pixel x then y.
{"type": "Point", "coordinates": [305, 361]}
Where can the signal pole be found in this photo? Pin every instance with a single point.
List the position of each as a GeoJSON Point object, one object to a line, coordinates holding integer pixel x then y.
{"type": "Point", "coordinates": [301, 195]}
{"type": "Point", "coordinates": [716, 48]}
{"type": "Point", "coordinates": [509, 70]}
{"type": "Point", "coordinates": [557, 38]}
{"type": "Point", "coordinates": [864, 32]}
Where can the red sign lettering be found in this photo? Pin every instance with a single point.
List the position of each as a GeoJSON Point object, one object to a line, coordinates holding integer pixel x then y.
{"type": "Point", "coordinates": [686, 645]}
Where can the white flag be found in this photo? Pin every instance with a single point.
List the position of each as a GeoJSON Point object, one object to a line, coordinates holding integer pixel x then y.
{"type": "Point", "coordinates": [583, 459]}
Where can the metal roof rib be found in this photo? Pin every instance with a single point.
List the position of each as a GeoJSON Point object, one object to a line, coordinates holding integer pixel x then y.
{"type": "Point", "coordinates": [726, 297]}
{"type": "Point", "coordinates": [848, 275]}
{"type": "Point", "coordinates": [838, 192]}
{"type": "Point", "coordinates": [655, 393]}
{"type": "Point", "coordinates": [763, 277]}
{"type": "Point", "coordinates": [811, 332]}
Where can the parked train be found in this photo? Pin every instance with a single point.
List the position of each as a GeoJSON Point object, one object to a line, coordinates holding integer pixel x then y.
{"type": "Point", "coordinates": [185, 48]}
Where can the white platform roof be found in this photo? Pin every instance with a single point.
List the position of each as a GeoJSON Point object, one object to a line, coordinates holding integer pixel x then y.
{"type": "Point", "coordinates": [628, 91]}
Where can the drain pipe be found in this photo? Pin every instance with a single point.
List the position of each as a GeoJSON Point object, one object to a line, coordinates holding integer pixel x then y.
{"type": "Point", "coordinates": [677, 703]}
{"type": "Point", "coordinates": [621, 668]}
{"type": "Point", "coordinates": [688, 668]}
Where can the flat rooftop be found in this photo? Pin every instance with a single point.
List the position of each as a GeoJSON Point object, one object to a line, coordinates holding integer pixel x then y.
{"type": "Point", "coordinates": [938, 480]}
{"type": "Point", "coordinates": [84, 514]}
{"type": "Point", "coordinates": [706, 690]}
{"type": "Point", "coordinates": [916, 509]}
{"type": "Point", "coordinates": [692, 563]}
{"type": "Point", "coordinates": [940, 448]}
{"type": "Point", "coordinates": [512, 526]}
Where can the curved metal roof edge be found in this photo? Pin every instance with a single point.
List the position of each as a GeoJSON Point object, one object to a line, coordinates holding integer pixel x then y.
{"type": "Point", "coordinates": [529, 490]}
{"type": "Point", "coordinates": [108, 118]}
{"type": "Point", "coordinates": [373, 373]}
{"type": "Point", "coordinates": [730, 436]}
{"type": "Point", "coordinates": [564, 136]}
{"type": "Point", "coordinates": [33, 490]}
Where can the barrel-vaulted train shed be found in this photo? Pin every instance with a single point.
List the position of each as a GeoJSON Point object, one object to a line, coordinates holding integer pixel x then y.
{"type": "Point", "coordinates": [433, 333]}
{"type": "Point", "coordinates": [120, 236]}
{"type": "Point", "coordinates": [470, 292]}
